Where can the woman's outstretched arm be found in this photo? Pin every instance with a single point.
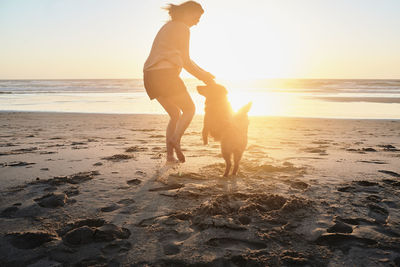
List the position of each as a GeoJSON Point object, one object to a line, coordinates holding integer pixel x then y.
{"type": "Point", "coordinates": [191, 66]}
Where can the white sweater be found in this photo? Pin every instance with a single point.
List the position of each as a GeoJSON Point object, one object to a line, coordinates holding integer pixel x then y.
{"type": "Point", "coordinates": [171, 50]}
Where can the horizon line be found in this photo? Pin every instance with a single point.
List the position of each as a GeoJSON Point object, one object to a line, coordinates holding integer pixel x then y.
{"type": "Point", "coordinates": [191, 78]}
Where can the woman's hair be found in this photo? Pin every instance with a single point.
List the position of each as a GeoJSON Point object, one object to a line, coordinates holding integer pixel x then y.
{"type": "Point", "coordinates": [176, 11]}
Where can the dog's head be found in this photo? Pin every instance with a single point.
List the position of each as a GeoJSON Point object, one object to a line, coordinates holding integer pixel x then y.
{"type": "Point", "coordinates": [215, 91]}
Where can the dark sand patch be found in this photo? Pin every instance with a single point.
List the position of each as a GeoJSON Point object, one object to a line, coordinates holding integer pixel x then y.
{"type": "Point", "coordinates": [52, 200]}
{"type": "Point", "coordinates": [30, 240]}
{"type": "Point", "coordinates": [373, 161]}
{"type": "Point", "coordinates": [369, 149]}
{"type": "Point", "coordinates": [340, 227]}
{"type": "Point", "coordinates": [391, 173]}
{"type": "Point", "coordinates": [119, 157]}
{"type": "Point", "coordinates": [70, 179]}
{"type": "Point", "coordinates": [344, 241]}
{"type": "Point", "coordinates": [17, 164]}
{"type": "Point", "coordinates": [318, 150]}
{"type": "Point", "coordinates": [134, 182]}
{"type": "Point", "coordinates": [110, 208]}
{"type": "Point", "coordinates": [389, 147]}
{"type": "Point", "coordinates": [235, 244]}
{"type": "Point", "coordinates": [167, 187]}
{"type": "Point", "coordinates": [157, 136]}
{"type": "Point", "coordinates": [126, 201]}
{"type": "Point", "coordinates": [136, 149]}
{"type": "Point", "coordinates": [86, 234]}
{"type": "Point", "coordinates": [8, 212]}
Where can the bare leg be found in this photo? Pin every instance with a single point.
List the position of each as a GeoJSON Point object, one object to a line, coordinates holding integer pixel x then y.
{"type": "Point", "coordinates": [169, 134]}
{"type": "Point", "coordinates": [174, 114]}
{"type": "Point", "coordinates": [183, 102]}
{"type": "Point", "coordinates": [178, 122]}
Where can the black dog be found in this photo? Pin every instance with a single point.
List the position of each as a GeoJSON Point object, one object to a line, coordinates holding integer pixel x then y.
{"type": "Point", "coordinates": [225, 126]}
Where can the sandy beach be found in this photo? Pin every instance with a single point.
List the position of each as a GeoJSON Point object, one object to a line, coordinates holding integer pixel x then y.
{"type": "Point", "coordinates": [94, 190]}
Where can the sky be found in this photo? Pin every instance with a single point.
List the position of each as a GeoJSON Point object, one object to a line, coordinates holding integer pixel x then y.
{"type": "Point", "coordinates": [236, 40]}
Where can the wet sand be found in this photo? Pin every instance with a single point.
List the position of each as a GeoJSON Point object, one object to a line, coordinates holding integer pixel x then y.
{"type": "Point", "coordinates": [93, 189]}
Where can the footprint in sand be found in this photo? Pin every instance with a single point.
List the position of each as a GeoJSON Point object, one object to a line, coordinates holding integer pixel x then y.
{"type": "Point", "coordinates": [293, 258]}
{"type": "Point", "coordinates": [394, 174]}
{"type": "Point", "coordinates": [357, 186]}
{"type": "Point", "coordinates": [52, 200]}
{"type": "Point", "coordinates": [71, 179]}
{"type": "Point", "coordinates": [92, 230]}
{"type": "Point", "coordinates": [30, 240]}
{"type": "Point", "coordinates": [141, 173]}
{"type": "Point", "coordinates": [136, 149]}
{"type": "Point", "coordinates": [110, 208]}
{"type": "Point", "coordinates": [88, 231]}
{"type": "Point", "coordinates": [235, 244]}
{"type": "Point", "coordinates": [134, 182]}
{"type": "Point", "coordinates": [126, 201]}
{"type": "Point", "coordinates": [344, 242]}
{"type": "Point", "coordinates": [340, 227]}
{"type": "Point", "coordinates": [171, 249]}
{"type": "Point", "coordinates": [368, 149]}
{"type": "Point", "coordinates": [119, 157]}
{"type": "Point", "coordinates": [374, 198]}
{"type": "Point", "coordinates": [127, 209]}
{"type": "Point", "coordinates": [298, 185]}
{"type": "Point", "coordinates": [355, 221]}
{"type": "Point", "coordinates": [346, 189]}
{"type": "Point", "coordinates": [366, 183]}
{"type": "Point", "coordinates": [316, 150]}
{"type": "Point", "coordinates": [391, 182]}
{"type": "Point", "coordinates": [390, 148]}
{"type": "Point", "coordinates": [72, 191]}
{"type": "Point", "coordinates": [19, 164]}
{"type": "Point", "coordinates": [9, 212]}
{"type": "Point", "coordinates": [378, 213]}
{"type": "Point", "coordinates": [157, 136]}
{"type": "Point", "coordinates": [117, 246]}
{"type": "Point", "coordinates": [157, 156]}
{"type": "Point", "coordinates": [373, 161]}
{"type": "Point", "coordinates": [166, 188]}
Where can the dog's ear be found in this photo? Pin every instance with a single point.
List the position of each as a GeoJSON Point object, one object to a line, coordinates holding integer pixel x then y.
{"type": "Point", "coordinates": [245, 109]}
{"type": "Point", "coordinates": [202, 90]}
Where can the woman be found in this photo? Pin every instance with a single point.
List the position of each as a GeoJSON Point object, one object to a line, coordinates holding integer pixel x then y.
{"type": "Point", "coordinates": [169, 54]}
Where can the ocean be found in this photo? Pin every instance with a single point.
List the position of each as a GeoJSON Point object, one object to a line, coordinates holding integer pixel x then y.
{"type": "Point", "coordinates": [316, 98]}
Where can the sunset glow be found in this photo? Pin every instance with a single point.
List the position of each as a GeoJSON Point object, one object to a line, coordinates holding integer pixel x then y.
{"type": "Point", "coordinates": [48, 39]}
{"type": "Point", "coordinates": [269, 104]}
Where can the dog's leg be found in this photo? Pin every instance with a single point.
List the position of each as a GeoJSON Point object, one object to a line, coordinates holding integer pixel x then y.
{"type": "Point", "coordinates": [237, 155]}
{"type": "Point", "coordinates": [228, 164]}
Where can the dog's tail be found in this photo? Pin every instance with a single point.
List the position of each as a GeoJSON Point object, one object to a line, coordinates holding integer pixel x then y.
{"type": "Point", "coordinates": [245, 109]}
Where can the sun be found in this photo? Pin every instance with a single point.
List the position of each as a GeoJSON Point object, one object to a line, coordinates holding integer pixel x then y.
{"type": "Point", "coordinates": [264, 103]}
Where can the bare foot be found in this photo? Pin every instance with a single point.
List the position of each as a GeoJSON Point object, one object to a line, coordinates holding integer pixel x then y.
{"type": "Point", "coordinates": [178, 151]}
{"type": "Point", "coordinates": [172, 160]}
{"type": "Point", "coordinates": [180, 156]}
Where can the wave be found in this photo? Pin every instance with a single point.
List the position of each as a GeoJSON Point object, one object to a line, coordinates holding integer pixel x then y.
{"type": "Point", "coordinates": [307, 86]}
{"type": "Point", "coordinates": [75, 86]}
{"type": "Point", "coordinates": [387, 100]}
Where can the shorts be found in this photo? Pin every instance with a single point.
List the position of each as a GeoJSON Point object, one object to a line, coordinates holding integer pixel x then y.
{"type": "Point", "coordinates": [163, 82]}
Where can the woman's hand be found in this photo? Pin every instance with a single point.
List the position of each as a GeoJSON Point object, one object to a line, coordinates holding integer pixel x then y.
{"type": "Point", "coordinates": [208, 78]}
